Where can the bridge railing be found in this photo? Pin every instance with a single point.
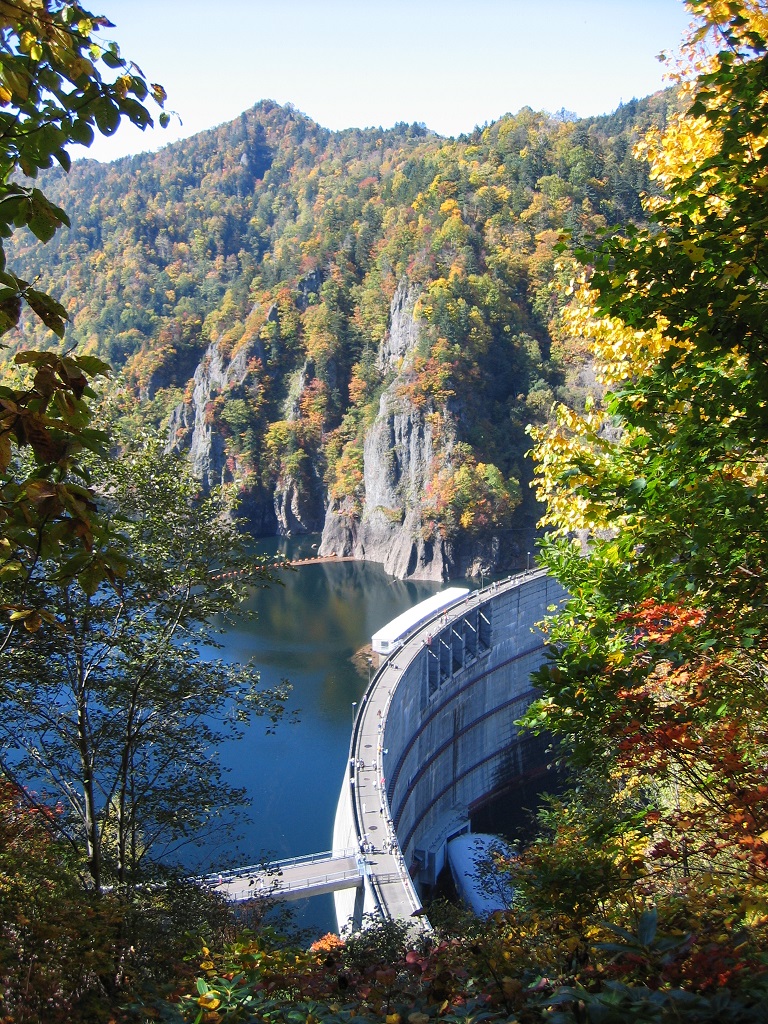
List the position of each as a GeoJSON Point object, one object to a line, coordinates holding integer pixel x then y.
{"type": "Point", "coordinates": [275, 866]}
{"type": "Point", "coordinates": [281, 886]}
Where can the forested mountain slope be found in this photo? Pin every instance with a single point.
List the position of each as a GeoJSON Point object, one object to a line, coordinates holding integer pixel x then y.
{"type": "Point", "coordinates": [353, 328]}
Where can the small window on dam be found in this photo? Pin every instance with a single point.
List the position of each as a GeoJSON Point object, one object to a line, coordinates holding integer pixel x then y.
{"type": "Point", "coordinates": [484, 630]}
{"type": "Point", "coordinates": [433, 673]}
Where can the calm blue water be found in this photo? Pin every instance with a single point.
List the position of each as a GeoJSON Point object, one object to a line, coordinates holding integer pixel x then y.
{"type": "Point", "coordinates": [307, 632]}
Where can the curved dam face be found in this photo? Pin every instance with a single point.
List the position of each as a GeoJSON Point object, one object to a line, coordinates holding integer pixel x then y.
{"type": "Point", "coordinates": [435, 738]}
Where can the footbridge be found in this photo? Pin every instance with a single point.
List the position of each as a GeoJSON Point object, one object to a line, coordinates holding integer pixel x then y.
{"type": "Point", "coordinates": [292, 879]}
{"type": "Point", "coordinates": [435, 738]}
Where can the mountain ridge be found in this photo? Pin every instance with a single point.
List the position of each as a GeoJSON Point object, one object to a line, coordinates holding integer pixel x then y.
{"type": "Point", "coordinates": [249, 284]}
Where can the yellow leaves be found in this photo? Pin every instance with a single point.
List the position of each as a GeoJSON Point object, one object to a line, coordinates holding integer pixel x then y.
{"type": "Point", "coordinates": [620, 352]}
{"type": "Point", "coordinates": [15, 81]}
{"type": "Point", "coordinates": [677, 152]}
{"type": "Point", "coordinates": [30, 618]}
{"type": "Point", "coordinates": [694, 252]}
{"type": "Point", "coordinates": [122, 85]}
{"type": "Point", "coordinates": [570, 456]}
{"type": "Point", "coordinates": [5, 451]}
{"type": "Point", "coordinates": [752, 13]}
{"type": "Point", "coordinates": [28, 43]}
{"type": "Point", "coordinates": [756, 910]}
{"type": "Point", "coordinates": [731, 272]}
{"type": "Point", "coordinates": [511, 986]}
{"type": "Point", "coordinates": [82, 66]}
{"type": "Point", "coordinates": [209, 1001]}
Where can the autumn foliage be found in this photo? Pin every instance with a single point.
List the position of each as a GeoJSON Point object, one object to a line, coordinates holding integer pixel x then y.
{"type": "Point", "coordinates": [658, 680]}
{"type": "Point", "coordinates": [644, 895]}
{"type": "Point", "coordinates": [275, 242]}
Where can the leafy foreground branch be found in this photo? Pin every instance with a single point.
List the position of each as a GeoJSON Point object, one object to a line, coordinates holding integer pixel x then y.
{"type": "Point", "coordinates": [68, 952]}
{"type": "Point", "coordinates": [515, 967]}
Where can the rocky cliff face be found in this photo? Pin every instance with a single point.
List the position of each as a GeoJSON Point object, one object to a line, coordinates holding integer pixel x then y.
{"type": "Point", "coordinates": [291, 506]}
{"type": "Point", "coordinates": [398, 454]}
{"type": "Point", "coordinates": [193, 428]}
{"type": "Point", "coordinates": [399, 459]}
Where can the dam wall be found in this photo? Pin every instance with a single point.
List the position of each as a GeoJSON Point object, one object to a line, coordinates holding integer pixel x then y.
{"type": "Point", "coordinates": [435, 738]}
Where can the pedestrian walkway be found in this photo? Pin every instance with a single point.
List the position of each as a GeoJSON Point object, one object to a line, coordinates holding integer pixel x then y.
{"type": "Point", "coordinates": [387, 874]}
{"type": "Point", "coordinates": [292, 879]}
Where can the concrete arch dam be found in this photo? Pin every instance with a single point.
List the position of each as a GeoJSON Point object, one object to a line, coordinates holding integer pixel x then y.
{"type": "Point", "coordinates": [434, 738]}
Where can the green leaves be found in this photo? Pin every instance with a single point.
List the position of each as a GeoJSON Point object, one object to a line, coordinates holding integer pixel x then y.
{"type": "Point", "coordinates": [43, 218]}
{"type": "Point", "coordinates": [53, 93]}
{"type": "Point", "coordinates": [47, 509]}
{"type": "Point", "coordinates": [656, 658]}
{"type": "Point", "coordinates": [119, 594]}
{"type": "Point", "coordinates": [51, 312]}
{"type": "Point", "coordinates": [107, 116]}
{"type": "Point", "coordinates": [81, 132]}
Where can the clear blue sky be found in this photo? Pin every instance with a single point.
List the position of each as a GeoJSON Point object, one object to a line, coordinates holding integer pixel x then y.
{"type": "Point", "coordinates": [453, 64]}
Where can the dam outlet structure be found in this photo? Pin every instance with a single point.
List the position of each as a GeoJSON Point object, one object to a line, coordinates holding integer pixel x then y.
{"type": "Point", "coordinates": [435, 739]}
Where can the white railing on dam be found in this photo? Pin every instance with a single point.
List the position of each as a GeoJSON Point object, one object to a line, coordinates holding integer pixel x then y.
{"type": "Point", "coordinates": [431, 737]}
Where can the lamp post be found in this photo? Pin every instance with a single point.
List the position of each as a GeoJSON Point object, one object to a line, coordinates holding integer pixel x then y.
{"type": "Point", "coordinates": [370, 663]}
{"type": "Point", "coordinates": [354, 708]}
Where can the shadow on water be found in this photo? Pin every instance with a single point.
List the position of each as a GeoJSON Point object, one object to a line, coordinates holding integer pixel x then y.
{"type": "Point", "coordinates": [305, 631]}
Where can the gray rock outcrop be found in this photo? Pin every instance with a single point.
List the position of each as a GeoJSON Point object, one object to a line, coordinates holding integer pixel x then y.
{"type": "Point", "coordinates": [192, 429]}
{"type": "Point", "coordinates": [298, 509]}
{"type": "Point", "coordinates": [292, 507]}
{"type": "Point", "coordinates": [397, 465]}
{"type": "Point", "coordinates": [403, 335]}
{"type": "Point", "coordinates": [401, 454]}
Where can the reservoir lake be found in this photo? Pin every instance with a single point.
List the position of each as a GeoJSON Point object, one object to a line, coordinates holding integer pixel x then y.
{"type": "Point", "coordinates": [305, 631]}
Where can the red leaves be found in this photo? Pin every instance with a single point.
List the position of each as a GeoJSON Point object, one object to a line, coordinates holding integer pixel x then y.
{"type": "Point", "coordinates": [658, 623]}
{"type": "Point", "coordinates": [714, 966]}
{"type": "Point", "coordinates": [664, 849]}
